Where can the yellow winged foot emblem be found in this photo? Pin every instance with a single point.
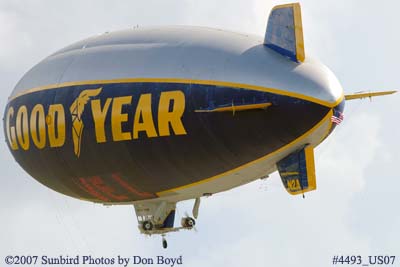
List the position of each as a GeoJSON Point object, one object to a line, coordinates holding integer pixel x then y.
{"type": "Point", "coordinates": [76, 110]}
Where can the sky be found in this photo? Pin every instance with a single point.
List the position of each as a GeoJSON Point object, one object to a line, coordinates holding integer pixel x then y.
{"type": "Point", "coordinates": [355, 208]}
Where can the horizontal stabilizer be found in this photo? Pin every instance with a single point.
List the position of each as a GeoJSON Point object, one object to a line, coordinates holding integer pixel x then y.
{"type": "Point", "coordinates": [297, 171]}
{"type": "Point", "coordinates": [367, 95]}
{"type": "Point", "coordinates": [233, 108]}
{"type": "Point", "coordinates": [285, 31]}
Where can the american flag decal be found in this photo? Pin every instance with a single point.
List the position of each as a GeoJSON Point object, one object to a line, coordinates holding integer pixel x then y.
{"type": "Point", "coordinates": [337, 117]}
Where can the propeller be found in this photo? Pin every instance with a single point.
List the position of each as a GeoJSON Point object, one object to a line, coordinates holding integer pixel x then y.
{"type": "Point", "coordinates": [194, 226]}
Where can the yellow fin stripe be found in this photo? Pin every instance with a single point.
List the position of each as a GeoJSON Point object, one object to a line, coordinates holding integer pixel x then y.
{"type": "Point", "coordinates": [298, 29]}
{"type": "Point", "coordinates": [289, 173]}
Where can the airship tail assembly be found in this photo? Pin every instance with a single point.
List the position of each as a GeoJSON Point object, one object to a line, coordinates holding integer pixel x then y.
{"type": "Point", "coordinates": [285, 31]}
{"type": "Point", "coordinates": [152, 116]}
{"type": "Point", "coordinates": [297, 171]}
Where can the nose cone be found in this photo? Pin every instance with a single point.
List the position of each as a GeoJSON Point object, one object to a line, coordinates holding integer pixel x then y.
{"type": "Point", "coordinates": [330, 89]}
{"type": "Point", "coordinates": [319, 82]}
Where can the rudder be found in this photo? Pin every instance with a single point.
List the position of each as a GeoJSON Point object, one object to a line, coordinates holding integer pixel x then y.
{"type": "Point", "coordinates": [285, 31]}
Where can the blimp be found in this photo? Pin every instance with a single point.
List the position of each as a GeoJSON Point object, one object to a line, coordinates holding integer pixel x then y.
{"type": "Point", "coordinates": [149, 117]}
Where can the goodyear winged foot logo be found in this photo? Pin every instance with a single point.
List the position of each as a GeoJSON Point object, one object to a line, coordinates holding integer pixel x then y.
{"type": "Point", "coordinates": [76, 109]}
{"type": "Point", "coordinates": [44, 126]}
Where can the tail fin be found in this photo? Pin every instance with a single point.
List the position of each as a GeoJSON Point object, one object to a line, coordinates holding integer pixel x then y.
{"type": "Point", "coordinates": [297, 171]}
{"type": "Point", "coordinates": [285, 31]}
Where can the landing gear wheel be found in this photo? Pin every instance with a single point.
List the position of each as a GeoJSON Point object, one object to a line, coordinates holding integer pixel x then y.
{"type": "Point", "coordinates": [188, 222]}
{"type": "Point", "coordinates": [147, 226]}
{"type": "Point", "coordinates": [164, 243]}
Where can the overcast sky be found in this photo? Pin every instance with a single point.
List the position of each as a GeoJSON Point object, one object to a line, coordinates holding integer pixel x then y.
{"type": "Point", "coordinates": [355, 210]}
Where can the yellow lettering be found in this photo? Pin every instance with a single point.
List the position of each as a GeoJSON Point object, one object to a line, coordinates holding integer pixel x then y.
{"type": "Point", "coordinates": [11, 130]}
{"type": "Point", "coordinates": [117, 118]}
{"type": "Point", "coordinates": [23, 127]}
{"type": "Point", "coordinates": [55, 116]}
{"type": "Point", "coordinates": [173, 118]}
{"type": "Point", "coordinates": [294, 184]}
{"type": "Point", "coordinates": [38, 126]}
{"type": "Point", "coordinates": [99, 117]}
{"type": "Point", "coordinates": [143, 110]}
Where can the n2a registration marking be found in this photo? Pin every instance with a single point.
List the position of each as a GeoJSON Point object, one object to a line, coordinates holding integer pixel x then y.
{"type": "Point", "coordinates": [48, 127]}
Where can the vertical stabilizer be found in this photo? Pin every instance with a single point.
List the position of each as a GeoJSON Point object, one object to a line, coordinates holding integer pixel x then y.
{"type": "Point", "coordinates": [297, 171]}
{"type": "Point", "coordinates": [285, 31]}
